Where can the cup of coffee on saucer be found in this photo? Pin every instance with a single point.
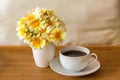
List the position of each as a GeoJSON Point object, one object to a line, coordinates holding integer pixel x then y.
{"type": "Point", "coordinates": [76, 58]}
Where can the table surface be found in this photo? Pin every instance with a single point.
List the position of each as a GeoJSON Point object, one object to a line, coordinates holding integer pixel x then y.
{"type": "Point", "coordinates": [16, 63]}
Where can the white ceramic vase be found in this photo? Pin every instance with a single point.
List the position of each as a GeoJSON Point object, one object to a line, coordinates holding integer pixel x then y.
{"type": "Point", "coordinates": [42, 57]}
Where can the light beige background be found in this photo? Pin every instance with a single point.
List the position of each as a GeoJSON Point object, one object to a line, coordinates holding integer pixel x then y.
{"type": "Point", "coordinates": [87, 21]}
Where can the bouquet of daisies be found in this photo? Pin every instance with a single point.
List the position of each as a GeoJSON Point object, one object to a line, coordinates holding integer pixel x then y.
{"type": "Point", "coordinates": [40, 27]}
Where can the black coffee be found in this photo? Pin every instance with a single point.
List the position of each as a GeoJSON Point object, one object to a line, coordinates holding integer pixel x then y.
{"type": "Point", "coordinates": [74, 53]}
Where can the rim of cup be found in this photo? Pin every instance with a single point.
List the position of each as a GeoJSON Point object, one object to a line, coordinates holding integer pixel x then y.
{"type": "Point", "coordinates": [75, 48]}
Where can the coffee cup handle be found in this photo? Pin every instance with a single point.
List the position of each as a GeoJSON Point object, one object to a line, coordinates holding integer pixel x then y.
{"type": "Point", "coordinates": [93, 55]}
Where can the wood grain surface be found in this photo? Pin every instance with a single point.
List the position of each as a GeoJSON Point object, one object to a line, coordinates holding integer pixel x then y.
{"type": "Point", "coordinates": [16, 63]}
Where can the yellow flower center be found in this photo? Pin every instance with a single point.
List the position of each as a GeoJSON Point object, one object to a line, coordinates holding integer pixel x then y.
{"type": "Point", "coordinates": [51, 23]}
{"type": "Point", "coordinates": [58, 35]}
{"type": "Point", "coordinates": [34, 23]}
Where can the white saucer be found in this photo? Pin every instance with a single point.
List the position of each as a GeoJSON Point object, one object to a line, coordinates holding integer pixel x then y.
{"type": "Point", "coordinates": [57, 67]}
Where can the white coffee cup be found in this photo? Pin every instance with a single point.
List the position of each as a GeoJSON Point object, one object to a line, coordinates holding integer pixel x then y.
{"type": "Point", "coordinates": [76, 63]}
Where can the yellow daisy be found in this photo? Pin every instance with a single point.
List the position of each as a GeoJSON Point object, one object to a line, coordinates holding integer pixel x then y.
{"type": "Point", "coordinates": [38, 42]}
{"type": "Point", "coordinates": [22, 21]}
{"type": "Point", "coordinates": [35, 24]}
{"type": "Point", "coordinates": [22, 31]}
{"type": "Point", "coordinates": [57, 35]}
